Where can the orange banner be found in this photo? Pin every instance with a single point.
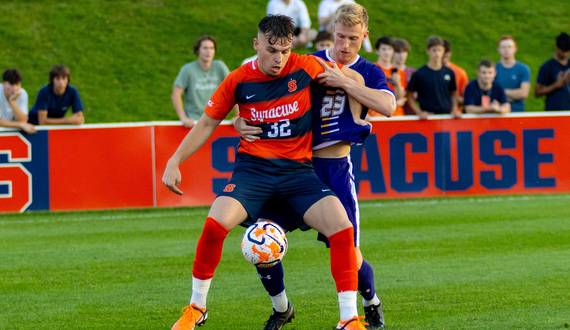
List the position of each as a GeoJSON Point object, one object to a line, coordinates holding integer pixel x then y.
{"type": "Point", "coordinates": [121, 165]}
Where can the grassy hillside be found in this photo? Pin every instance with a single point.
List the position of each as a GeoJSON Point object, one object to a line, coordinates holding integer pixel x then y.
{"type": "Point", "coordinates": [124, 55]}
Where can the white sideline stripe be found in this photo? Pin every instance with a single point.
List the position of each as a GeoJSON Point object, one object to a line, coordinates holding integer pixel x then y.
{"type": "Point", "coordinates": [463, 200]}
{"type": "Point", "coordinates": [107, 217]}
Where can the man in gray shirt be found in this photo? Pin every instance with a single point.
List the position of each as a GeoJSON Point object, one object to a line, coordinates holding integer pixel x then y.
{"type": "Point", "coordinates": [197, 81]}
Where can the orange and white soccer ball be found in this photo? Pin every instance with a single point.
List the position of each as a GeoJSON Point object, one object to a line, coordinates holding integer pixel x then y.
{"type": "Point", "coordinates": [264, 244]}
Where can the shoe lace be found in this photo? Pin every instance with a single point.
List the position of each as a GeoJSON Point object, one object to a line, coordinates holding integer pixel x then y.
{"type": "Point", "coordinates": [187, 316]}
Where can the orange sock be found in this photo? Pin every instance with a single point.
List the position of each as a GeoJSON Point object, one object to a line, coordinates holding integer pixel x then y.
{"type": "Point", "coordinates": [343, 260]}
{"type": "Point", "coordinates": [209, 249]}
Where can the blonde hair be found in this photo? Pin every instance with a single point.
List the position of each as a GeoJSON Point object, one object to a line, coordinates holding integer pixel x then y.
{"type": "Point", "coordinates": [351, 14]}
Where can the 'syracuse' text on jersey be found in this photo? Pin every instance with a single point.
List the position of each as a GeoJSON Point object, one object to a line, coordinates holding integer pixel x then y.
{"type": "Point", "coordinates": [332, 119]}
{"type": "Point", "coordinates": [279, 105]}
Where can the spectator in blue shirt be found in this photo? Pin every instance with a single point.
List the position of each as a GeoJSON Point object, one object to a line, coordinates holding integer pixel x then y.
{"type": "Point", "coordinates": [483, 95]}
{"type": "Point", "coordinates": [54, 100]}
{"type": "Point", "coordinates": [554, 77]}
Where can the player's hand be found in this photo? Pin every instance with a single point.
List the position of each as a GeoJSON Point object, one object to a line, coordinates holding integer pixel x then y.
{"type": "Point", "coordinates": [456, 114]}
{"type": "Point", "coordinates": [247, 132]}
{"type": "Point", "coordinates": [188, 122]}
{"type": "Point", "coordinates": [172, 178]}
{"type": "Point", "coordinates": [332, 77]}
{"type": "Point", "coordinates": [362, 122]}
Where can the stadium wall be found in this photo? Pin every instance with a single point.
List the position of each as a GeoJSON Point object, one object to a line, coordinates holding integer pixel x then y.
{"type": "Point", "coordinates": [112, 166]}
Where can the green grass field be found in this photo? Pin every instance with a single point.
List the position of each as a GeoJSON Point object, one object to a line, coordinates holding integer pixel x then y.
{"type": "Point", "coordinates": [453, 263]}
{"type": "Point", "coordinates": [125, 54]}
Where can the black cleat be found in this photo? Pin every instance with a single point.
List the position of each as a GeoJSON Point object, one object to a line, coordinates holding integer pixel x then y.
{"type": "Point", "coordinates": [374, 316]}
{"type": "Point", "coordinates": [278, 320]}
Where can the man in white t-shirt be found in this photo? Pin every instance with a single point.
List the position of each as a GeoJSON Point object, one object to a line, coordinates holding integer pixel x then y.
{"type": "Point", "coordinates": [14, 102]}
{"type": "Point", "coordinates": [327, 9]}
{"type": "Point", "coordinates": [297, 10]}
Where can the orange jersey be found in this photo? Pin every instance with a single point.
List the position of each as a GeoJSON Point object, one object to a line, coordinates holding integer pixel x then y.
{"type": "Point", "coordinates": [388, 73]}
{"type": "Point", "coordinates": [461, 79]}
{"type": "Point", "coordinates": [279, 105]}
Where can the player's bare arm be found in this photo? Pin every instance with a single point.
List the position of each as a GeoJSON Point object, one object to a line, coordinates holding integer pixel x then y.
{"type": "Point", "coordinates": [191, 143]}
{"type": "Point", "coordinates": [337, 77]}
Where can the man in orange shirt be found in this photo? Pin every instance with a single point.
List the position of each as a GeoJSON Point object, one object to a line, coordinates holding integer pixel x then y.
{"type": "Point", "coordinates": [396, 77]}
{"type": "Point", "coordinates": [461, 79]}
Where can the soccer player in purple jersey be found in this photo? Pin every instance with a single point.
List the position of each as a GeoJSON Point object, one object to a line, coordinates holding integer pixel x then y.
{"type": "Point", "coordinates": [334, 130]}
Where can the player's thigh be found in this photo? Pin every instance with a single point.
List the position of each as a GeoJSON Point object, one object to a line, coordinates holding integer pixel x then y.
{"type": "Point", "coordinates": [228, 212]}
{"type": "Point", "coordinates": [327, 216]}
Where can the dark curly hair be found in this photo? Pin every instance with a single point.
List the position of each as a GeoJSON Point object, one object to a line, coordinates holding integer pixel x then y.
{"type": "Point", "coordinates": [277, 28]}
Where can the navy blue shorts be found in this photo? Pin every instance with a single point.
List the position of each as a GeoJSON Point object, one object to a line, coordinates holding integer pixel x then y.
{"type": "Point", "coordinates": [254, 184]}
{"type": "Point", "coordinates": [336, 173]}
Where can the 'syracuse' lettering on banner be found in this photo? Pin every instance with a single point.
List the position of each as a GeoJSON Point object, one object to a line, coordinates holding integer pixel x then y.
{"type": "Point", "coordinates": [55, 169]}
{"type": "Point", "coordinates": [279, 112]}
{"type": "Point", "coordinates": [15, 179]}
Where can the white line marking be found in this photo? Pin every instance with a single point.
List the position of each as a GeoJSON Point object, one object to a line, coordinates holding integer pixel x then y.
{"type": "Point", "coordinates": [52, 218]}
{"type": "Point", "coordinates": [461, 200]}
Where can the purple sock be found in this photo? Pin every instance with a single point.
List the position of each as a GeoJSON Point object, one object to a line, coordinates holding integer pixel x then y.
{"type": "Point", "coordinates": [366, 281]}
{"type": "Point", "coordinates": [272, 279]}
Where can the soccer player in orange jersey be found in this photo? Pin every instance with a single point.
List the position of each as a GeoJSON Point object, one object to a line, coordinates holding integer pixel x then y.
{"type": "Point", "coordinates": [273, 93]}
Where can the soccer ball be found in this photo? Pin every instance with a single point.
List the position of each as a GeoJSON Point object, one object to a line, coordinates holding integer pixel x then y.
{"type": "Point", "coordinates": [264, 244]}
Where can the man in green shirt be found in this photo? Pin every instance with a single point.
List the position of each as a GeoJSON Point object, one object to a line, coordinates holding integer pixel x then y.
{"type": "Point", "coordinates": [197, 81]}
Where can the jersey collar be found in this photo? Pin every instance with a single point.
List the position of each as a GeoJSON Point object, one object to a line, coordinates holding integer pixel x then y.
{"type": "Point", "coordinates": [329, 58]}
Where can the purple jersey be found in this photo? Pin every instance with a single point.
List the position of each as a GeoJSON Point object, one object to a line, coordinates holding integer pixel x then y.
{"type": "Point", "coordinates": [332, 119]}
